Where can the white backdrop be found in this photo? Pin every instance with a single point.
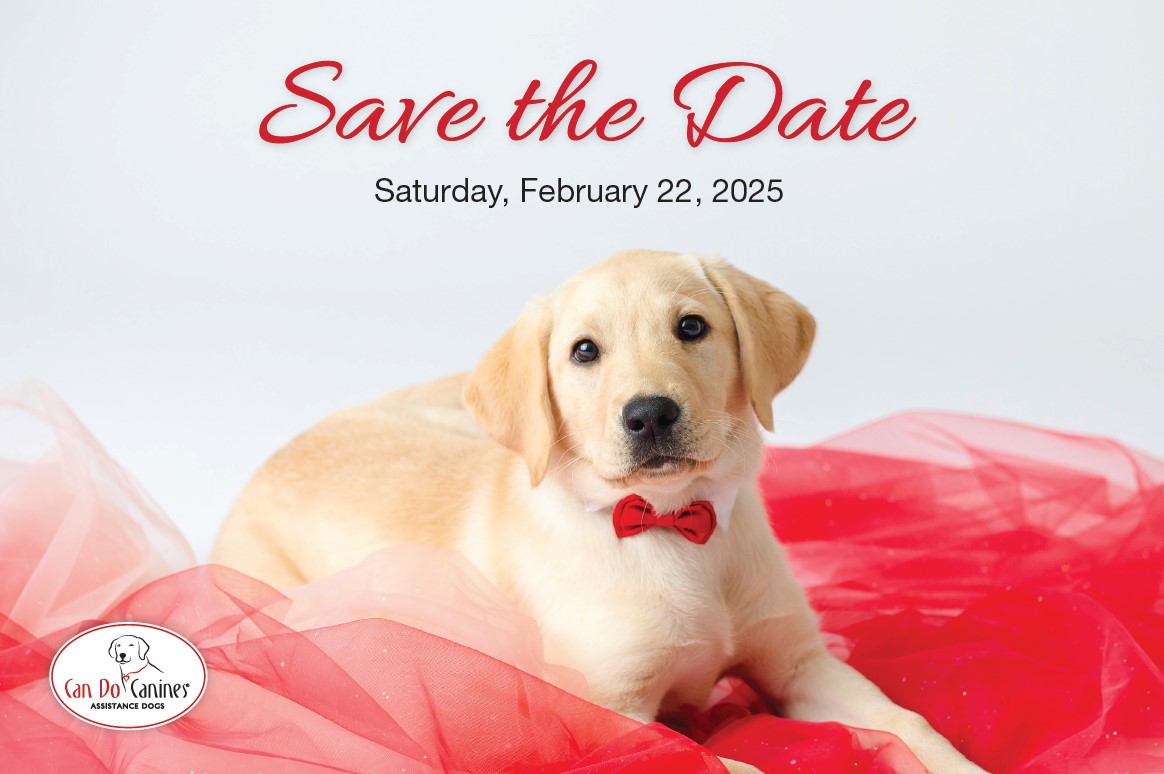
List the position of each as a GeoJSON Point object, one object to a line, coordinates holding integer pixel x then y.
{"type": "Point", "coordinates": [199, 296]}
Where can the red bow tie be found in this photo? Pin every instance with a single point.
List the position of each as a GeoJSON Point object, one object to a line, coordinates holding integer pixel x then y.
{"type": "Point", "coordinates": [695, 521]}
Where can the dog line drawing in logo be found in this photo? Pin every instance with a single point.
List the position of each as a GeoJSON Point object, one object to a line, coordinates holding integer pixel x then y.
{"type": "Point", "coordinates": [129, 651]}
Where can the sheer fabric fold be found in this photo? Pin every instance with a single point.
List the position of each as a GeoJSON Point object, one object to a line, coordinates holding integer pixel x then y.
{"type": "Point", "coordinates": [1002, 580]}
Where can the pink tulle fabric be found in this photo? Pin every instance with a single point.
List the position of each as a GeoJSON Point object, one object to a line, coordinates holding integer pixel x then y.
{"type": "Point", "coordinates": [1004, 581]}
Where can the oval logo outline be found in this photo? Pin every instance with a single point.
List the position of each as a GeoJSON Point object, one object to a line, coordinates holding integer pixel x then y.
{"type": "Point", "coordinates": [135, 662]}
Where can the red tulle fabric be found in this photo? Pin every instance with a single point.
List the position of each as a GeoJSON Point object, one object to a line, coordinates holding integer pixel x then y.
{"type": "Point", "coordinates": [1004, 581]}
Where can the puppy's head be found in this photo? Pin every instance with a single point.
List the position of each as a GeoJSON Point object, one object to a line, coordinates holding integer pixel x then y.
{"type": "Point", "coordinates": [643, 373]}
{"type": "Point", "coordinates": [127, 648]}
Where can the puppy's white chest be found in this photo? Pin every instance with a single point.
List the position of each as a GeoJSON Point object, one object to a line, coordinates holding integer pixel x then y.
{"type": "Point", "coordinates": [643, 608]}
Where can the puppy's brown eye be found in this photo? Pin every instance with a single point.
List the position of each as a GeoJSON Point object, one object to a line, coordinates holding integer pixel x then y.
{"type": "Point", "coordinates": [585, 351]}
{"type": "Point", "coordinates": [691, 327]}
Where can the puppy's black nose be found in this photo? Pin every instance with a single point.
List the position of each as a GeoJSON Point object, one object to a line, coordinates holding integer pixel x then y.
{"type": "Point", "coordinates": [650, 419]}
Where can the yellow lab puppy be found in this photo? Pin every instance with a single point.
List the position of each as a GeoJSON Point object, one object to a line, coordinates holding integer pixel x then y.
{"type": "Point", "coordinates": [597, 466]}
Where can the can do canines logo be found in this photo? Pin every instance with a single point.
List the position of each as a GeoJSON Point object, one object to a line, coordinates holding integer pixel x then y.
{"type": "Point", "coordinates": [128, 676]}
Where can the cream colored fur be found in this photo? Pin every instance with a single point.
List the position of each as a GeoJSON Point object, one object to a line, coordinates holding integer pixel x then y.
{"type": "Point", "coordinates": [518, 463]}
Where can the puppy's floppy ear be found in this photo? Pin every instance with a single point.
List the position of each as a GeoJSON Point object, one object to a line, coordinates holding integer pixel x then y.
{"type": "Point", "coordinates": [113, 655]}
{"type": "Point", "coordinates": [508, 393]}
{"type": "Point", "coordinates": [775, 333]}
{"type": "Point", "coordinates": [143, 647]}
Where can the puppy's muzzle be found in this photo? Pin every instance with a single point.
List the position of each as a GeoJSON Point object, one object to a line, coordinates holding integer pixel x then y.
{"type": "Point", "coordinates": [649, 421]}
